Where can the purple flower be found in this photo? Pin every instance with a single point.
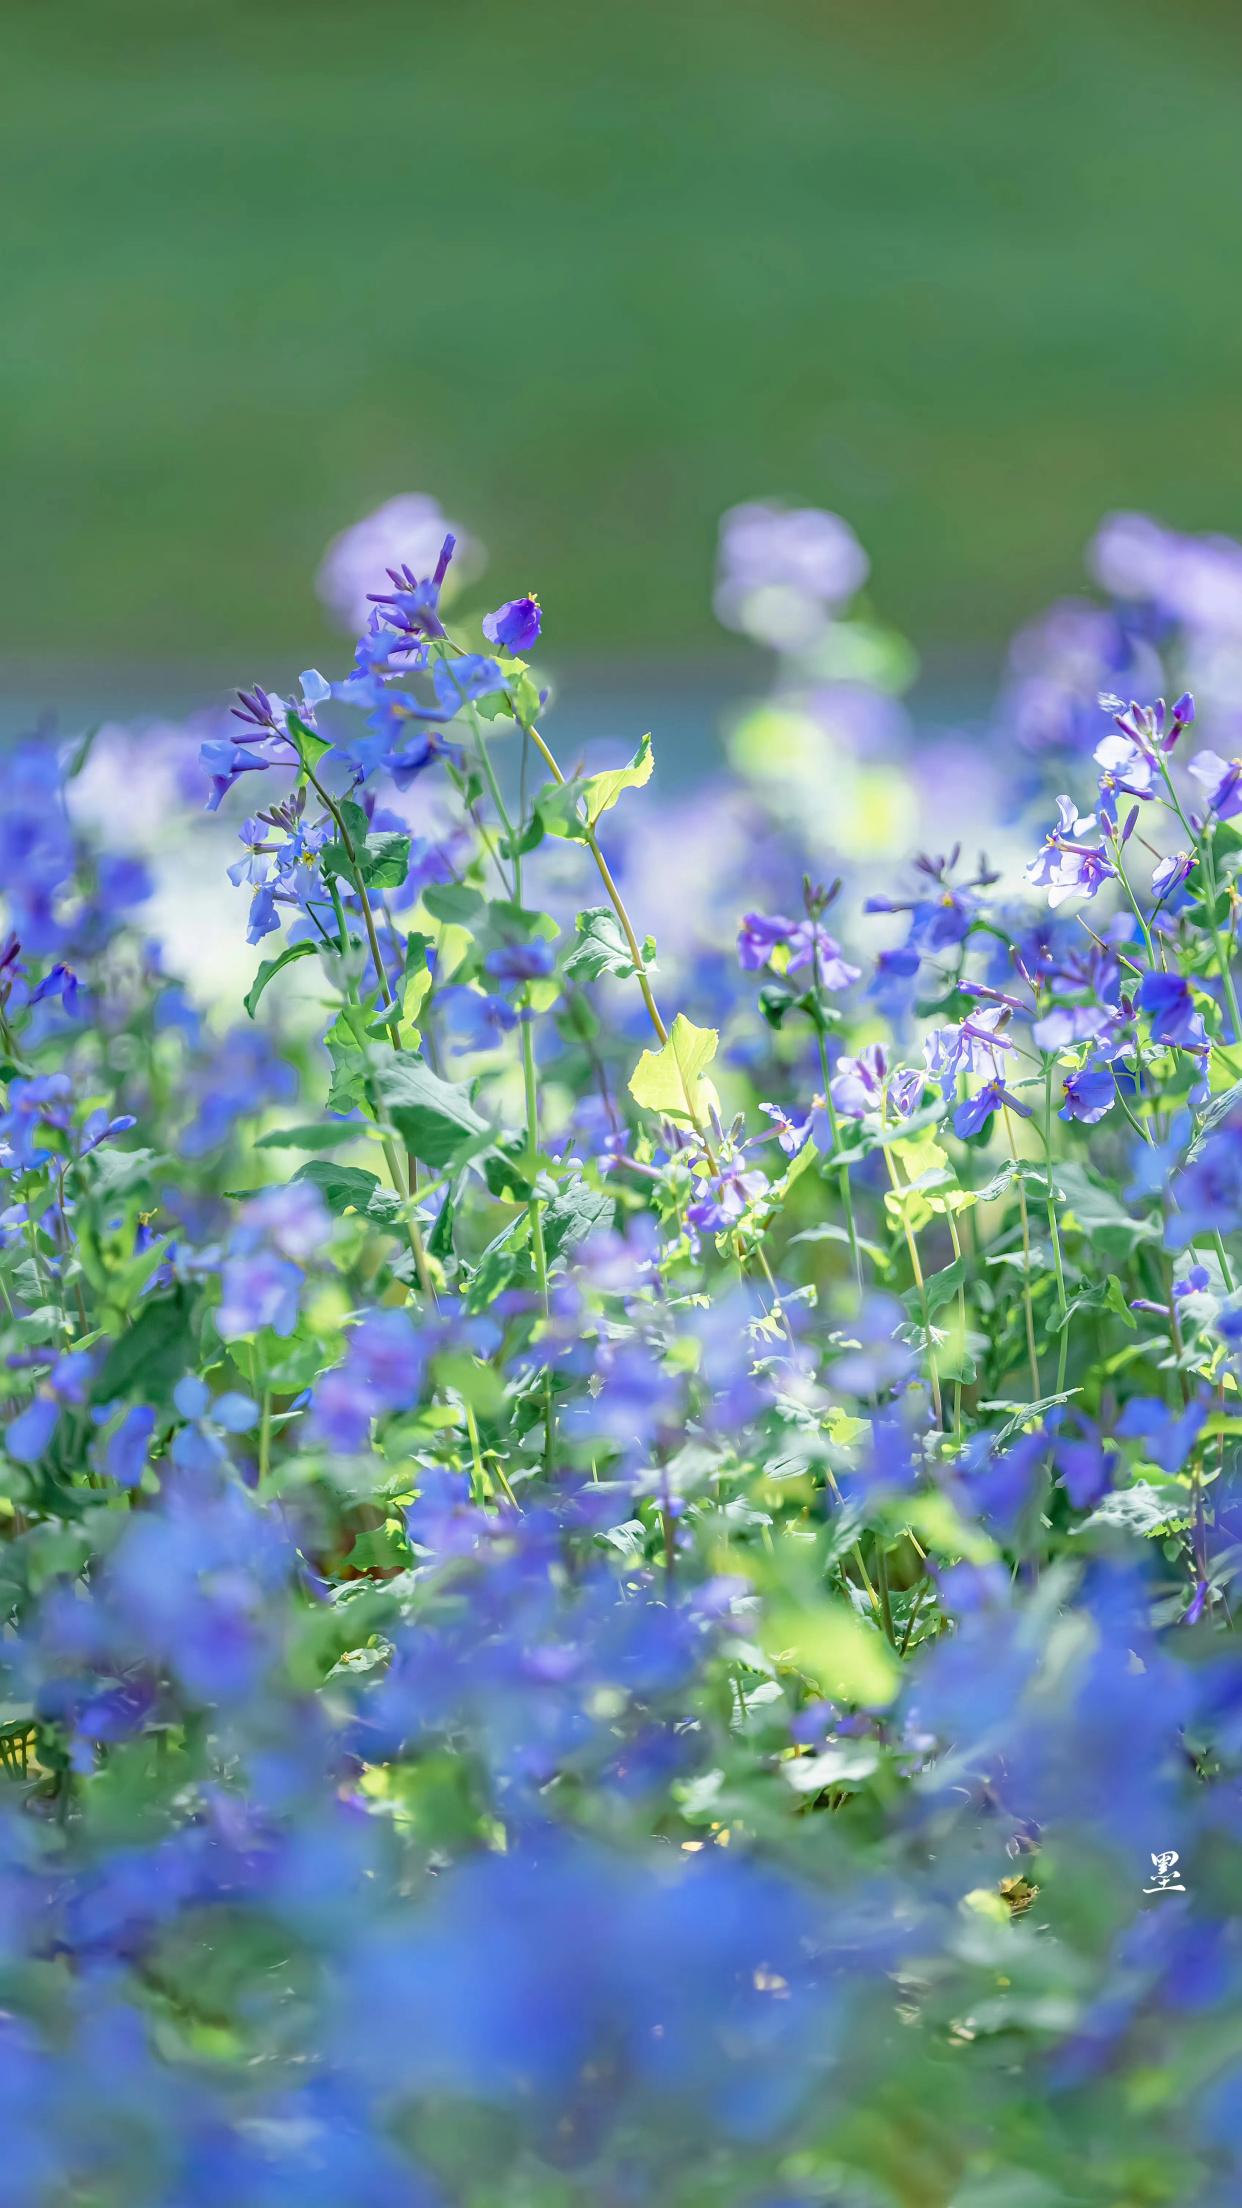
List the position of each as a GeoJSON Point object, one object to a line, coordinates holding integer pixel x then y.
{"type": "Point", "coordinates": [857, 1085]}
{"type": "Point", "coordinates": [1066, 1024]}
{"type": "Point", "coordinates": [975, 1113]}
{"type": "Point", "coordinates": [123, 1454]}
{"type": "Point", "coordinates": [257, 1289]}
{"type": "Point", "coordinates": [1066, 866]}
{"type": "Point", "coordinates": [383, 1371]}
{"type": "Point", "coordinates": [970, 1047]}
{"type": "Point", "coordinates": [725, 1197]}
{"type": "Point", "coordinates": [790, 1133]}
{"type": "Point", "coordinates": [459, 682]}
{"type": "Point", "coordinates": [1089, 1093]}
{"type": "Point", "coordinates": [514, 627]}
{"type": "Point", "coordinates": [1208, 1190]}
{"type": "Point", "coordinates": [809, 943]}
{"type": "Point", "coordinates": [758, 937]}
{"type": "Point", "coordinates": [27, 1436]}
{"type": "Point", "coordinates": [1128, 769]}
{"type": "Point", "coordinates": [1170, 1436]}
{"type": "Point", "coordinates": [782, 572]}
{"type": "Point", "coordinates": [1221, 779]}
{"type": "Point", "coordinates": [515, 962]}
{"type": "Point", "coordinates": [1167, 1001]}
{"type": "Point", "coordinates": [1171, 872]}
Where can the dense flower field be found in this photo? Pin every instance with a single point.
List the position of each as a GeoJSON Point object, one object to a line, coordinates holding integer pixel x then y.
{"type": "Point", "coordinates": [619, 1556]}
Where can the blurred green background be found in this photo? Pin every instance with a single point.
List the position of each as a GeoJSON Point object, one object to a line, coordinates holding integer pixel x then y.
{"type": "Point", "coordinates": [965, 271]}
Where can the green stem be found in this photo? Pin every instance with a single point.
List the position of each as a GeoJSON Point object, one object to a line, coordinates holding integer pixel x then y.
{"type": "Point", "coordinates": [1202, 844]}
{"type": "Point", "coordinates": [529, 1084]}
{"type": "Point", "coordinates": [847, 1200]}
{"type": "Point", "coordinates": [405, 1189]}
{"type": "Point", "coordinates": [916, 1269]}
{"type": "Point", "coordinates": [1055, 1232]}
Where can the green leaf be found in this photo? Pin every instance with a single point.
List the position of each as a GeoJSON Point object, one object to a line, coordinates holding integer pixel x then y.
{"type": "Point", "coordinates": [1220, 1108]}
{"type": "Point", "coordinates": [601, 947]}
{"type": "Point", "coordinates": [320, 1135]}
{"type": "Point", "coordinates": [1144, 1508]}
{"type": "Point", "coordinates": [576, 1211]}
{"type": "Point", "coordinates": [440, 1239]}
{"type": "Point", "coordinates": [271, 967]}
{"type": "Point", "coordinates": [941, 1287]}
{"type": "Point", "coordinates": [1100, 1215]}
{"type": "Point", "coordinates": [509, 923]}
{"type": "Point", "coordinates": [671, 1080]}
{"type": "Point", "coordinates": [824, 1640]}
{"type": "Point", "coordinates": [571, 808]}
{"type": "Point", "coordinates": [152, 1354]}
{"type": "Point", "coordinates": [309, 747]}
{"type": "Point", "coordinates": [453, 903]}
{"type": "Point", "coordinates": [350, 1188]}
{"type": "Point", "coordinates": [434, 1118]}
{"type": "Point", "coordinates": [382, 862]}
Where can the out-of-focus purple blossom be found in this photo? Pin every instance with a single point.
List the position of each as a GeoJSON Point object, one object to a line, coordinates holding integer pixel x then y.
{"type": "Point", "coordinates": [877, 1361]}
{"type": "Point", "coordinates": [122, 1454]}
{"type": "Point", "coordinates": [257, 1289]}
{"type": "Point", "coordinates": [1221, 783]}
{"type": "Point", "coordinates": [810, 944]}
{"type": "Point", "coordinates": [385, 1359]}
{"type": "Point", "coordinates": [782, 572]}
{"type": "Point", "coordinates": [726, 1195]}
{"type": "Point", "coordinates": [459, 682]}
{"type": "Point", "coordinates": [759, 935]}
{"type": "Point", "coordinates": [1208, 1189]}
{"type": "Point", "coordinates": [1169, 1435]}
{"type": "Point", "coordinates": [27, 1436]}
{"type": "Point", "coordinates": [1167, 1001]}
{"type": "Point", "coordinates": [516, 962]}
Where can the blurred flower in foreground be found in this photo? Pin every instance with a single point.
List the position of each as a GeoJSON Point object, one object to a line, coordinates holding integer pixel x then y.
{"type": "Point", "coordinates": [783, 572]}
{"type": "Point", "coordinates": [404, 532]}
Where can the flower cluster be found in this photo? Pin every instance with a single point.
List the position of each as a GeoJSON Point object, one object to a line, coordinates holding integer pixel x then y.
{"type": "Point", "coordinates": [620, 1558]}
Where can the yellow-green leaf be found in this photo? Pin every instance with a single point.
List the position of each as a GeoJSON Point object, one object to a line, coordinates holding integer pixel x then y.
{"type": "Point", "coordinates": [671, 1080]}
{"type": "Point", "coordinates": [848, 1660]}
{"type": "Point", "coordinates": [602, 790]}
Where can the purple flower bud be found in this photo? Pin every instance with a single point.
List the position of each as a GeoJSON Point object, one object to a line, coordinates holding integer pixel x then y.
{"type": "Point", "coordinates": [515, 626]}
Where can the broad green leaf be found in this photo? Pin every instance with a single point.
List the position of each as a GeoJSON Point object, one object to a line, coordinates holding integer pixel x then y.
{"type": "Point", "coordinates": [843, 1764]}
{"type": "Point", "coordinates": [152, 1354]}
{"type": "Point", "coordinates": [272, 966]}
{"type": "Point", "coordinates": [671, 1080]}
{"type": "Point", "coordinates": [601, 947]}
{"type": "Point", "coordinates": [1145, 1508]}
{"type": "Point", "coordinates": [847, 1659]}
{"type": "Point", "coordinates": [309, 747]}
{"type": "Point", "coordinates": [1100, 1215]}
{"type": "Point", "coordinates": [434, 1118]}
{"type": "Point", "coordinates": [350, 1188]}
{"type": "Point", "coordinates": [320, 1134]}
{"type": "Point", "coordinates": [382, 862]}
{"type": "Point", "coordinates": [576, 1211]}
{"type": "Point", "coordinates": [453, 903]}
{"type": "Point", "coordinates": [571, 808]}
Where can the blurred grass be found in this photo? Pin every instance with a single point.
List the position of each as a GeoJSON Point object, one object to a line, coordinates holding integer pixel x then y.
{"type": "Point", "coordinates": [966, 271]}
